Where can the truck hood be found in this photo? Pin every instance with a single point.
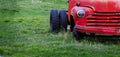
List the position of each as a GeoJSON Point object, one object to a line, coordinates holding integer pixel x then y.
{"type": "Point", "coordinates": [102, 5]}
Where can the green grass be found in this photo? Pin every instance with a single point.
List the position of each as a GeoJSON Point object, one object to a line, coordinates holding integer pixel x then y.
{"type": "Point", "coordinates": [26, 34]}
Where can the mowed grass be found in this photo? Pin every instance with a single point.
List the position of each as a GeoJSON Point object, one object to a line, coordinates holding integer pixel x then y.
{"type": "Point", "coordinates": [25, 33]}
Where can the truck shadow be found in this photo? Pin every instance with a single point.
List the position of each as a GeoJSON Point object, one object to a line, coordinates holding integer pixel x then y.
{"type": "Point", "coordinates": [104, 39]}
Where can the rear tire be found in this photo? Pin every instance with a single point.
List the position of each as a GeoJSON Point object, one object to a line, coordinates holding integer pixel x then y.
{"type": "Point", "coordinates": [78, 35]}
{"type": "Point", "coordinates": [63, 20]}
{"type": "Point", "coordinates": [54, 21]}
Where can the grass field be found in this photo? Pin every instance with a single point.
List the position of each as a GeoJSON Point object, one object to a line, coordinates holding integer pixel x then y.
{"type": "Point", "coordinates": [25, 33]}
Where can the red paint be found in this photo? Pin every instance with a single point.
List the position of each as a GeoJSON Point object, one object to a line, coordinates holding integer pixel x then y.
{"type": "Point", "coordinates": [101, 16]}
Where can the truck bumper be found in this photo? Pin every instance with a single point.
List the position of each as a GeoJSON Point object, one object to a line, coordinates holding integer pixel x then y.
{"type": "Point", "coordinates": [98, 30]}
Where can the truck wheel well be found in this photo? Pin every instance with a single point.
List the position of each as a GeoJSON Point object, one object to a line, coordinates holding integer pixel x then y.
{"type": "Point", "coordinates": [72, 23]}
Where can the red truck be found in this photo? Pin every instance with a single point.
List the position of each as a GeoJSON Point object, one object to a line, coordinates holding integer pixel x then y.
{"type": "Point", "coordinates": [88, 16]}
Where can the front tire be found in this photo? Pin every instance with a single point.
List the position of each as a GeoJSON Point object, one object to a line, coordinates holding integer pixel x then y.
{"type": "Point", "coordinates": [54, 21]}
{"type": "Point", "coordinates": [78, 35]}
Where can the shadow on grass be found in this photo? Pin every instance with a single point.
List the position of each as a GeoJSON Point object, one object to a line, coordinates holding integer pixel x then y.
{"type": "Point", "coordinates": [104, 39]}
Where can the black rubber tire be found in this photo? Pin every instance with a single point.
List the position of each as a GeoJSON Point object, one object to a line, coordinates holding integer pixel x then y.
{"type": "Point", "coordinates": [54, 21]}
{"type": "Point", "coordinates": [63, 19]}
{"type": "Point", "coordinates": [78, 35]}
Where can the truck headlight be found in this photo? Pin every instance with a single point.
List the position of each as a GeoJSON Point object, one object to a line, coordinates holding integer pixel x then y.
{"type": "Point", "coordinates": [81, 13]}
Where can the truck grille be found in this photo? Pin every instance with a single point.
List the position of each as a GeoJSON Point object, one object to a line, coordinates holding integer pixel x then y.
{"type": "Point", "coordinates": [104, 20]}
